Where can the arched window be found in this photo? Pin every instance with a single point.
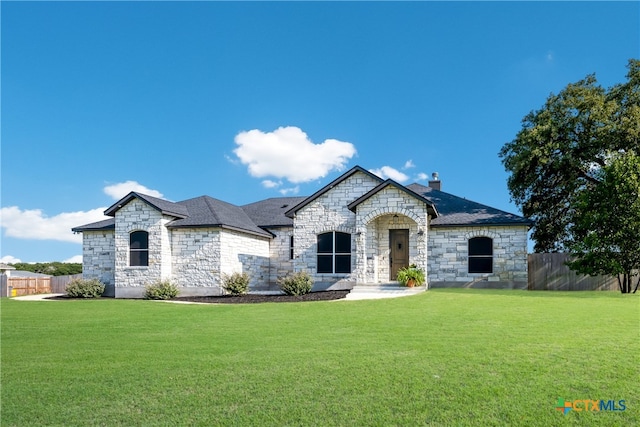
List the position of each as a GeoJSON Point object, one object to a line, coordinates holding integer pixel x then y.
{"type": "Point", "coordinates": [139, 249]}
{"type": "Point", "coordinates": [334, 252]}
{"type": "Point", "coordinates": [481, 255]}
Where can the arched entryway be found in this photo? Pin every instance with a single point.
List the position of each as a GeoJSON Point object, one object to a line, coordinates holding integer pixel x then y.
{"type": "Point", "coordinates": [389, 242]}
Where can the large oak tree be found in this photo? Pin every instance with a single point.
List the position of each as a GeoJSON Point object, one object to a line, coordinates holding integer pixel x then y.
{"type": "Point", "coordinates": [565, 153]}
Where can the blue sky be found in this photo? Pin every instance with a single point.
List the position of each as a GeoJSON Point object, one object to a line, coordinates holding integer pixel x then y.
{"type": "Point", "coordinates": [245, 101]}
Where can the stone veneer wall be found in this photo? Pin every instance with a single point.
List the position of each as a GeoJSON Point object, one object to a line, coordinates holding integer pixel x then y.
{"type": "Point", "coordinates": [328, 212]}
{"type": "Point", "coordinates": [281, 263]}
{"type": "Point", "coordinates": [374, 220]}
{"type": "Point", "coordinates": [196, 259]}
{"type": "Point", "coordinates": [98, 258]}
{"type": "Point", "coordinates": [202, 255]}
{"type": "Point", "coordinates": [245, 253]}
{"type": "Point", "coordinates": [448, 254]}
{"type": "Point", "coordinates": [138, 215]}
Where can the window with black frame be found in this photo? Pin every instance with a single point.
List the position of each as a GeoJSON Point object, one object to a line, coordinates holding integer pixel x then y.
{"type": "Point", "coordinates": [481, 255]}
{"type": "Point", "coordinates": [334, 252]}
{"type": "Point", "coordinates": [291, 247]}
{"type": "Point", "coordinates": [139, 249]}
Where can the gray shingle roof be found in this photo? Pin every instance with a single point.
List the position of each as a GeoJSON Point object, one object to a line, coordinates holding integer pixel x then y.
{"type": "Point", "coordinates": [107, 224]}
{"type": "Point", "coordinates": [164, 206]}
{"type": "Point", "coordinates": [205, 211]}
{"type": "Point", "coordinates": [455, 210]}
{"type": "Point", "coordinates": [270, 213]}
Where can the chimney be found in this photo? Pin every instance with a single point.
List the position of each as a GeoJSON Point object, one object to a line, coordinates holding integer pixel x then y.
{"type": "Point", "coordinates": [435, 181]}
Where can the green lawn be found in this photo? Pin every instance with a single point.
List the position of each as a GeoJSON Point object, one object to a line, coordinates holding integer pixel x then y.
{"type": "Point", "coordinates": [445, 357]}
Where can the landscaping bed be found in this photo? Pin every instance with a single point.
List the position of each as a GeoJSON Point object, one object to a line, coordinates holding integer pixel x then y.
{"type": "Point", "coordinates": [247, 298]}
{"type": "Point", "coordinates": [259, 298]}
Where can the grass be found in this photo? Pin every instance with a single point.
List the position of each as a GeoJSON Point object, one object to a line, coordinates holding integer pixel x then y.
{"type": "Point", "coordinates": [445, 357]}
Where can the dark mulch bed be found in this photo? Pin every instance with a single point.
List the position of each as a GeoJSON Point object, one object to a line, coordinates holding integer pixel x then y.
{"type": "Point", "coordinates": [253, 298]}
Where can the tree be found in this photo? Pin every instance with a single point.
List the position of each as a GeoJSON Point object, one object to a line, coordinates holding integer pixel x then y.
{"type": "Point", "coordinates": [605, 235]}
{"type": "Point", "coordinates": [561, 149]}
{"type": "Point", "coordinates": [51, 268]}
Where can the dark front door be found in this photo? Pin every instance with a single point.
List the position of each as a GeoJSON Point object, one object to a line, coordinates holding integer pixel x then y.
{"type": "Point", "coordinates": [399, 251]}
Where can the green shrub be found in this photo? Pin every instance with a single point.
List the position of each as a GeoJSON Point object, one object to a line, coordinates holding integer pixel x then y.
{"type": "Point", "coordinates": [162, 289]}
{"type": "Point", "coordinates": [296, 283]}
{"type": "Point", "coordinates": [81, 288]}
{"type": "Point", "coordinates": [236, 283]}
{"type": "Point", "coordinates": [411, 276]}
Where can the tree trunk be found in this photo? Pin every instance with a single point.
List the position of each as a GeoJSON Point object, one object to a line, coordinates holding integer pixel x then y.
{"type": "Point", "coordinates": [625, 283]}
{"type": "Point", "coordinates": [637, 284]}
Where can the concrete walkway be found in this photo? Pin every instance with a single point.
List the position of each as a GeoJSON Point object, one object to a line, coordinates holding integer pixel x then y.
{"type": "Point", "coordinates": [386, 290]}
{"type": "Point", "coordinates": [37, 297]}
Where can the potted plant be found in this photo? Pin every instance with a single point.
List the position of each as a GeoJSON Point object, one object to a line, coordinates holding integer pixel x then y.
{"type": "Point", "coordinates": [411, 276]}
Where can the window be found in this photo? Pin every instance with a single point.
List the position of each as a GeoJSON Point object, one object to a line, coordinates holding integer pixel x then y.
{"type": "Point", "coordinates": [291, 247]}
{"type": "Point", "coordinates": [334, 252]}
{"type": "Point", "coordinates": [481, 255]}
{"type": "Point", "coordinates": [139, 249]}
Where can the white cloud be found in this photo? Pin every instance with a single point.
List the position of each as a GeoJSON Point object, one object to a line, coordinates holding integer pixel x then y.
{"type": "Point", "coordinates": [8, 259]}
{"type": "Point", "coordinates": [34, 224]}
{"type": "Point", "coordinates": [121, 189]}
{"type": "Point", "coordinates": [267, 183]}
{"type": "Point", "coordinates": [288, 191]}
{"type": "Point", "coordinates": [409, 164]}
{"type": "Point", "coordinates": [421, 176]}
{"type": "Point", "coordinates": [388, 172]}
{"type": "Point", "coordinates": [74, 259]}
{"type": "Point", "coordinates": [288, 153]}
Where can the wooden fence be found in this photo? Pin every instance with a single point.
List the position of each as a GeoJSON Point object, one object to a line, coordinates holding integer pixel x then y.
{"type": "Point", "coordinates": [548, 272]}
{"type": "Point", "coordinates": [19, 286]}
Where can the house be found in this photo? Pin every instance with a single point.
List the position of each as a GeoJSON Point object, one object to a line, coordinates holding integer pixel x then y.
{"type": "Point", "coordinates": [358, 229]}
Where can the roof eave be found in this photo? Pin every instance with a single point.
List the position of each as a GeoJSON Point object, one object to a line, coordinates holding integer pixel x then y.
{"type": "Point", "coordinates": [83, 229]}
{"type": "Point", "coordinates": [487, 224]}
{"type": "Point", "coordinates": [223, 226]}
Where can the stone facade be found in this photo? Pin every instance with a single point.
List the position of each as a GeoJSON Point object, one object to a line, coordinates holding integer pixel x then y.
{"type": "Point", "coordinates": [98, 258]}
{"type": "Point", "coordinates": [448, 257]}
{"type": "Point", "coordinates": [281, 261]}
{"type": "Point", "coordinates": [196, 257]}
{"type": "Point", "coordinates": [389, 209]}
{"type": "Point", "coordinates": [139, 216]}
{"type": "Point", "coordinates": [328, 212]}
{"type": "Point", "coordinates": [245, 253]}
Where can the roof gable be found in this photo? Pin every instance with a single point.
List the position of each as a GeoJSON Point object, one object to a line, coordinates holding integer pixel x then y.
{"type": "Point", "coordinates": [457, 211]}
{"type": "Point", "coordinates": [164, 206]}
{"type": "Point", "coordinates": [291, 212]}
{"type": "Point", "coordinates": [389, 182]}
